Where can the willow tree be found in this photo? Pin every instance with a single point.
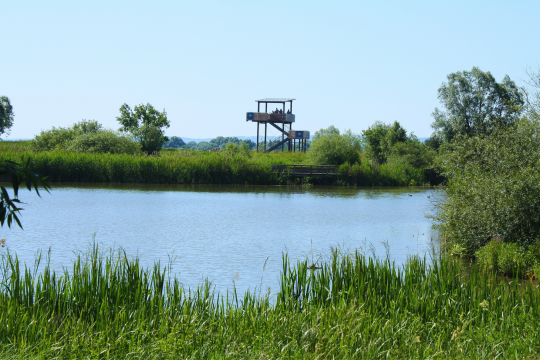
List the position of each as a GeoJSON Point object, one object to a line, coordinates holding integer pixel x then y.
{"type": "Point", "coordinates": [475, 103]}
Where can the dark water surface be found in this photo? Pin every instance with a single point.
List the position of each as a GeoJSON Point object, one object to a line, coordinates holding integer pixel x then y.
{"type": "Point", "coordinates": [223, 232]}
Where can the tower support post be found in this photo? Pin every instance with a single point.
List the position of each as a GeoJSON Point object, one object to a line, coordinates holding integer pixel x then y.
{"type": "Point", "coordinates": [282, 135]}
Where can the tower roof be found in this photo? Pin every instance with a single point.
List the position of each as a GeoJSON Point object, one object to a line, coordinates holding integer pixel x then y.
{"type": "Point", "coordinates": [275, 100]}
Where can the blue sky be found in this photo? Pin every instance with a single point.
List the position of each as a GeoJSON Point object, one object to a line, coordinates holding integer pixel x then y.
{"type": "Point", "coordinates": [348, 63]}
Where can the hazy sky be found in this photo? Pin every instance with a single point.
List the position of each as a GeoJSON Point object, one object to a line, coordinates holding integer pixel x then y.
{"type": "Point", "coordinates": [348, 63]}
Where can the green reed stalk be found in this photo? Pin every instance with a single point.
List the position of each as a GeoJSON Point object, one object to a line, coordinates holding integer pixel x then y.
{"type": "Point", "coordinates": [108, 306]}
{"type": "Point", "coordinates": [196, 167]}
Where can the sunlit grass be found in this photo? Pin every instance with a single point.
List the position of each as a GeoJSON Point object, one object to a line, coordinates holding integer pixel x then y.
{"type": "Point", "coordinates": [108, 306]}
{"type": "Point", "coordinates": [198, 167]}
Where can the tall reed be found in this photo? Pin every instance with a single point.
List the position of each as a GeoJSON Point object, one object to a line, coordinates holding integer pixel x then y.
{"type": "Point", "coordinates": [107, 306]}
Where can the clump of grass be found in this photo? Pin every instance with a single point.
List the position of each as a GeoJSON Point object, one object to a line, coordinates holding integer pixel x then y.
{"type": "Point", "coordinates": [108, 306]}
{"type": "Point", "coordinates": [510, 258]}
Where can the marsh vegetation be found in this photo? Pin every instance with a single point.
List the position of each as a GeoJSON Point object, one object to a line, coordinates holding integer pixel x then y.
{"type": "Point", "coordinates": [350, 306]}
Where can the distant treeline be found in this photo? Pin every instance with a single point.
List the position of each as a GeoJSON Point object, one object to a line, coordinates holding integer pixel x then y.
{"type": "Point", "coordinates": [176, 142]}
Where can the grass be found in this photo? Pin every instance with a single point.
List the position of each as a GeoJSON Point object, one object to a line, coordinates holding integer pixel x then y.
{"type": "Point", "coordinates": [198, 167]}
{"type": "Point", "coordinates": [107, 306]}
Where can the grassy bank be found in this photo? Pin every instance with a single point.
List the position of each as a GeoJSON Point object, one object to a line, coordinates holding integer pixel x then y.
{"type": "Point", "coordinates": [199, 167]}
{"type": "Point", "coordinates": [107, 306]}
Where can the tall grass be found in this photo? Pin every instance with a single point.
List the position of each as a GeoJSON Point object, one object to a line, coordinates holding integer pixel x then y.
{"type": "Point", "coordinates": [200, 167]}
{"type": "Point", "coordinates": [172, 167]}
{"type": "Point", "coordinates": [108, 306]}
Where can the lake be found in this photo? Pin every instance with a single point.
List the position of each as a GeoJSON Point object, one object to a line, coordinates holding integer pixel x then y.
{"type": "Point", "coordinates": [223, 233]}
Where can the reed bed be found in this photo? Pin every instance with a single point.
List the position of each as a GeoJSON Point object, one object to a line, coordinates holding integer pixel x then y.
{"type": "Point", "coordinates": [352, 306]}
{"type": "Point", "coordinates": [197, 167]}
{"type": "Point", "coordinates": [181, 167]}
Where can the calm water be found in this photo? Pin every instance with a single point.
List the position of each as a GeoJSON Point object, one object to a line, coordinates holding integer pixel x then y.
{"type": "Point", "coordinates": [223, 233]}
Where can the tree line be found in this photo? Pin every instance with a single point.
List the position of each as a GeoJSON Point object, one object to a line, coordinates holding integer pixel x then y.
{"type": "Point", "coordinates": [176, 142]}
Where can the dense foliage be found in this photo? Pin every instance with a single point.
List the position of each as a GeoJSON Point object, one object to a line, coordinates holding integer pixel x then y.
{"type": "Point", "coordinates": [331, 130]}
{"type": "Point", "coordinates": [510, 259]}
{"type": "Point", "coordinates": [403, 157]}
{"type": "Point", "coordinates": [336, 149]}
{"type": "Point", "coordinates": [493, 188]}
{"type": "Point", "coordinates": [146, 124]}
{"type": "Point", "coordinates": [87, 136]}
{"type": "Point", "coordinates": [475, 104]}
{"type": "Point", "coordinates": [380, 138]}
{"type": "Point", "coordinates": [174, 142]}
{"type": "Point", "coordinates": [107, 306]}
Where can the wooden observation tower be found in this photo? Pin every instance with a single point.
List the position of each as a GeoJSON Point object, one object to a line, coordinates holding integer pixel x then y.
{"type": "Point", "coordinates": [279, 119]}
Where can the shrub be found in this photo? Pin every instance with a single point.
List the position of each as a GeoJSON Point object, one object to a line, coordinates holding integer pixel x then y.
{"type": "Point", "coordinates": [493, 188]}
{"type": "Point", "coordinates": [335, 149]}
{"type": "Point", "coordinates": [232, 149]}
{"type": "Point", "coordinates": [412, 152]}
{"type": "Point", "coordinates": [85, 136]}
{"type": "Point", "coordinates": [488, 256]}
{"type": "Point", "coordinates": [105, 141]}
{"type": "Point", "coordinates": [54, 139]}
{"type": "Point", "coordinates": [509, 258]}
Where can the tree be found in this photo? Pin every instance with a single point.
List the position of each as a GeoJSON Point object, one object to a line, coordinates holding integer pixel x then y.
{"type": "Point", "coordinates": [146, 124]}
{"type": "Point", "coordinates": [331, 130]}
{"type": "Point", "coordinates": [412, 152]}
{"type": "Point", "coordinates": [380, 138]}
{"type": "Point", "coordinates": [532, 93]}
{"type": "Point", "coordinates": [6, 115]}
{"type": "Point", "coordinates": [250, 144]}
{"type": "Point", "coordinates": [204, 146]}
{"type": "Point", "coordinates": [174, 142]}
{"type": "Point", "coordinates": [475, 104]}
{"type": "Point", "coordinates": [9, 206]}
{"type": "Point", "coordinates": [493, 188]}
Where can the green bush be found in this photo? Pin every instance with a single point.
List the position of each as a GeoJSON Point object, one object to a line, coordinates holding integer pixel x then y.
{"type": "Point", "coordinates": [509, 258]}
{"type": "Point", "coordinates": [335, 149]}
{"type": "Point", "coordinates": [488, 256]}
{"type": "Point", "coordinates": [412, 152]}
{"type": "Point", "coordinates": [85, 136]}
{"type": "Point", "coordinates": [54, 139]}
{"type": "Point", "coordinates": [493, 188]}
{"type": "Point", "coordinates": [231, 149]}
{"type": "Point", "coordinates": [380, 138]}
{"type": "Point", "coordinates": [105, 141]}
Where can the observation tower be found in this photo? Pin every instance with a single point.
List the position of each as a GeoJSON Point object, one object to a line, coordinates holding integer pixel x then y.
{"type": "Point", "coordinates": [280, 119]}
